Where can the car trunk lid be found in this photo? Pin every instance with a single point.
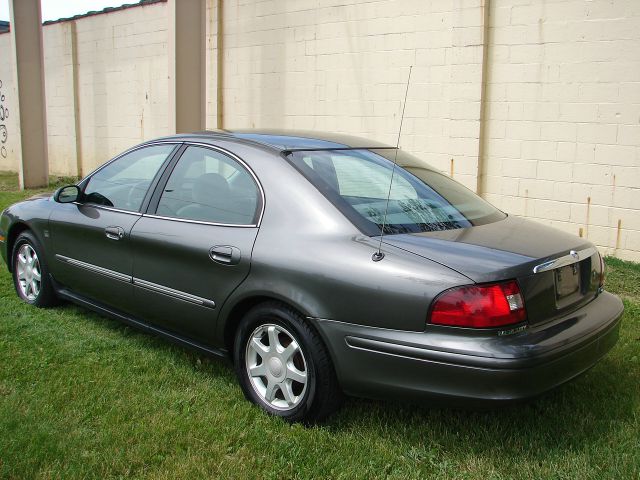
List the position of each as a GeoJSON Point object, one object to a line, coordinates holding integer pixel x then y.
{"type": "Point", "coordinates": [511, 249]}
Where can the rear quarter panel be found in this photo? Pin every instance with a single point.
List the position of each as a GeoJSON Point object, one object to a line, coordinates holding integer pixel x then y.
{"type": "Point", "coordinates": [309, 255]}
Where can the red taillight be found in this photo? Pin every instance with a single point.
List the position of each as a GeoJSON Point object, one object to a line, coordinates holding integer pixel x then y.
{"type": "Point", "coordinates": [480, 306]}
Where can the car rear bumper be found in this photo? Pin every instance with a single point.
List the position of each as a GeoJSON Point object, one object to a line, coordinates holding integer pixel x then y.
{"type": "Point", "coordinates": [472, 365]}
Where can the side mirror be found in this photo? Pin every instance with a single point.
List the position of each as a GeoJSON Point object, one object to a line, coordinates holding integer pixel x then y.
{"type": "Point", "coordinates": [68, 194]}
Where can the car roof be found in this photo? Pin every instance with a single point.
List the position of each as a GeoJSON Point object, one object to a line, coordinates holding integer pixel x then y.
{"type": "Point", "coordinates": [290, 140]}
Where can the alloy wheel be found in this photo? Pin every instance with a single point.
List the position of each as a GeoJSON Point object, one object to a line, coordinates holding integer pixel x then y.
{"type": "Point", "coordinates": [28, 272]}
{"type": "Point", "coordinates": [276, 367]}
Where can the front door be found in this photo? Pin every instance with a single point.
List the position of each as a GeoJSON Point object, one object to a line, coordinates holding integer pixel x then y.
{"type": "Point", "coordinates": [91, 238]}
{"type": "Point", "coordinates": [194, 248]}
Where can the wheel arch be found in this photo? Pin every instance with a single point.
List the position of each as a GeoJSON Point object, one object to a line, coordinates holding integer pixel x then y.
{"type": "Point", "coordinates": [236, 311]}
{"type": "Point", "coordinates": [15, 230]}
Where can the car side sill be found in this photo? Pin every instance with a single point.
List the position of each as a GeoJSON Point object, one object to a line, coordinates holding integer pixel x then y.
{"type": "Point", "coordinates": [67, 294]}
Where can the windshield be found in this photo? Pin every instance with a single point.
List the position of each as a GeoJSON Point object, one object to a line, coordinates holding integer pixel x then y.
{"type": "Point", "coordinates": [421, 199]}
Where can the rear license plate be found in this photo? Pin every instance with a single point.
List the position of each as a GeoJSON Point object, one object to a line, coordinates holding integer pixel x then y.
{"type": "Point", "coordinates": [567, 280]}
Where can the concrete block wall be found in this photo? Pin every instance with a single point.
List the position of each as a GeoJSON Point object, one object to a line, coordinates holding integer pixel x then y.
{"type": "Point", "coordinates": [342, 66]}
{"type": "Point", "coordinates": [562, 140]}
{"type": "Point", "coordinates": [122, 80]}
{"type": "Point", "coordinates": [539, 107]}
{"type": "Point", "coordinates": [120, 72]}
{"type": "Point", "coordinates": [59, 83]}
{"type": "Point", "coordinates": [9, 124]}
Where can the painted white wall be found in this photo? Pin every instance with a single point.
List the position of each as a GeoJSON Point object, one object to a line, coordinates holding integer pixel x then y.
{"type": "Point", "coordinates": [563, 136]}
{"type": "Point", "coordinates": [122, 86]}
{"type": "Point", "coordinates": [343, 66]}
{"type": "Point", "coordinates": [9, 125]}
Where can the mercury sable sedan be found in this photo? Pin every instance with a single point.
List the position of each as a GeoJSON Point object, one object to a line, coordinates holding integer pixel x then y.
{"type": "Point", "coordinates": [319, 265]}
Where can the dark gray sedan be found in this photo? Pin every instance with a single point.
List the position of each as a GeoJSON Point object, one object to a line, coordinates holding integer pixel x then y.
{"type": "Point", "coordinates": [319, 267]}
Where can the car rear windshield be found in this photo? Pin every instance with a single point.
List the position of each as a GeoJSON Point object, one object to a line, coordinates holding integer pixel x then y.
{"type": "Point", "coordinates": [421, 199]}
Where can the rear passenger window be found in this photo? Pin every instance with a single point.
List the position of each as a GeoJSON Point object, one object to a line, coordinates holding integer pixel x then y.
{"type": "Point", "coordinates": [209, 186]}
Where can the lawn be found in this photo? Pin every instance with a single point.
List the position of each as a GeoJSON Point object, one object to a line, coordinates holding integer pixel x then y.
{"type": "Point", "coordinates": [82, 396]}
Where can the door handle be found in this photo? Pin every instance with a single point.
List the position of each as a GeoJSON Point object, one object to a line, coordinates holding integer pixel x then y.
{"type": "Point", "coordinates": [114, 233]}
{"type": "Point", "coordinates": [225, 254]}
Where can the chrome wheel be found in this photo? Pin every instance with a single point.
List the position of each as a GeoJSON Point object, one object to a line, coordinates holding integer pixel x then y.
{"type": "Point", "coordinates": [276, 367]}
{"type": "Point", "coordinates": [28, 272]}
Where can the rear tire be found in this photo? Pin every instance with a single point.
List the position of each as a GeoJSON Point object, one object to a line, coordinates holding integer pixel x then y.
{"type": "Point", "coordinates": [30, 272]}
{"type": "Point", "coordinates": [283, 365]}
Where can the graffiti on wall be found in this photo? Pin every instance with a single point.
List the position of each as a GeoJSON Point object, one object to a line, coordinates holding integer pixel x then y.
{"type": "Point", "coordinates": [4, 114]}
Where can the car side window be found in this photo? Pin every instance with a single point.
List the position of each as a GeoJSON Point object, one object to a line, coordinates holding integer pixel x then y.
{"type": "Point", "coordinates": [123, 183]}
{"type": "Point", "coordinates": [209, 186]}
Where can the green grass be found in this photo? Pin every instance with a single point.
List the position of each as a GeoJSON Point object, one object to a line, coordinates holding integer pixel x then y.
{"type": "Point", "coordinates": [86, 397]}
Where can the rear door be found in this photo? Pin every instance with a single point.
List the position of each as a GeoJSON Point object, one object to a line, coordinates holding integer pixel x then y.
{"type": "Point", "coordinates": [193, 247]}
{"type": "Point", "coordinates": [91, 238]}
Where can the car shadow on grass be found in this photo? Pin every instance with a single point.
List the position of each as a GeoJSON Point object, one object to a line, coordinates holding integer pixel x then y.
{"type": "Point", "coordinates": [589, 410]}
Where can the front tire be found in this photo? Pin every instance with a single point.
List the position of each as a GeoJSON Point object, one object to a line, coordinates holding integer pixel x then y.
{"type": "Point", "coordinates": [30, 273]}
{"type": "Point", "coordinates": [283, 366]}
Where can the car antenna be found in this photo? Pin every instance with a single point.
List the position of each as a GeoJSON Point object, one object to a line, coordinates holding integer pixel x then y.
{"type": "Point", "coordinates": [379, 255]}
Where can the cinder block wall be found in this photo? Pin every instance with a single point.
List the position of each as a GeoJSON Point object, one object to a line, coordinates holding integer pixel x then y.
{"type": "Point", "coordinates": [117, 64]}
{"type": "Point", "coordinates": [59, 91]}
{"type": "Point", "coordinates": [9, 129]}
{"type": "Point", "coordinates": [563, 108]}
{"type": "Point", "coordinates": [343, 66]}
{"type": "Point", "coordinates": [539, 107]}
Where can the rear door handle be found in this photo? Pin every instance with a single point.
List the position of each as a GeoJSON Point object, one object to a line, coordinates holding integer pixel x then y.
{"type": "Point", "coordinates": [114, 233]}
{"type": "Point", "coordinates": [225, 254]}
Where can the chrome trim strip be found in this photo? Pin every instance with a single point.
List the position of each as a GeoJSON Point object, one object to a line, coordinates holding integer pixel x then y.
{"type": "Point", "coordinates": [138, 282]}
{"type": "Point", "coordinates": [95, 269]}
{"type": "Point", "coordinates": [111, 209]}
{"type": "Point", "coordinates": [244, 164]}
{"type": "Point", "coordinates": [569, 259]}
{"type": "Point", "coordinates": [173, 293]}
{"type": "Point", "coordinates": [199, 222]}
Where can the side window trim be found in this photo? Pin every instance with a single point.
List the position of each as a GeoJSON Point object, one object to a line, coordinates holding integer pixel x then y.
{"type": "Point", "coordinates": [159, 174]}
{"type": "Point", "coordinates": [162, 183]}
{"type": "Point", "coordinates": [152, 205]}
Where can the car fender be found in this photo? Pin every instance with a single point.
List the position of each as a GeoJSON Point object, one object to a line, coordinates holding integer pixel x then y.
{"type": "Point", "coordinates": [25, 215]}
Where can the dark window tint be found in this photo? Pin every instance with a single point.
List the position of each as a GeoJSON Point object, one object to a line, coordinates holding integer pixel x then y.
{"type": "Point", "coordinates": [124, 182]}
{"type": "Point", "coordinates": [358, 182]}
{"type": "Point", "coordinates": [208, 186]}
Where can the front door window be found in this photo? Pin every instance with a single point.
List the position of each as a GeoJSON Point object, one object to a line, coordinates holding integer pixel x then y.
{"type": "Point", "coordinates": [123, 183]}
